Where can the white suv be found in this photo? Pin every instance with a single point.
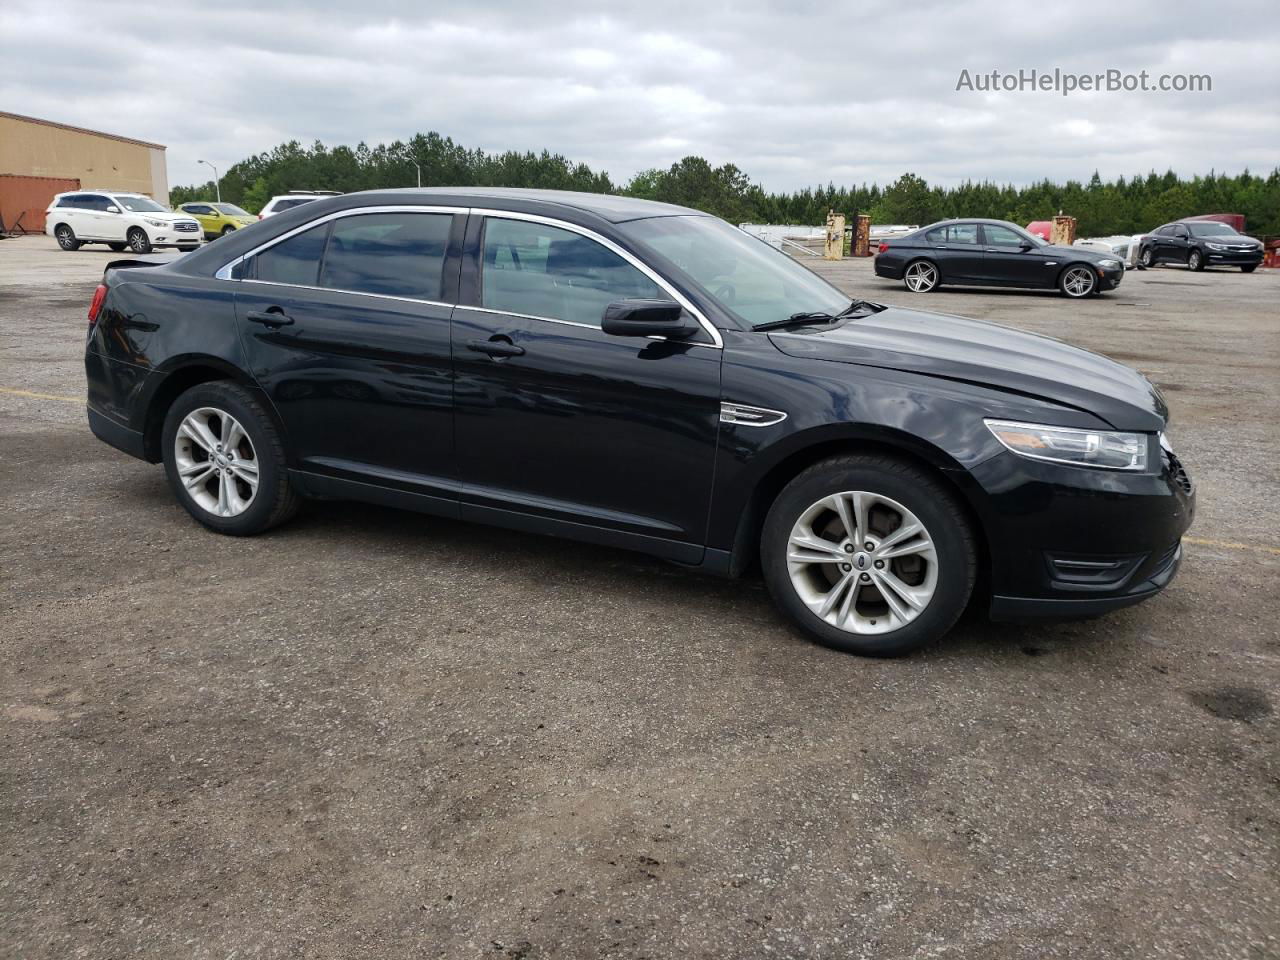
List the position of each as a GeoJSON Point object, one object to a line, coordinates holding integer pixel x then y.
{"type": "Point", "coordinates": [119, 220]}
{"type": "Point", "coordinates": [294, 198]}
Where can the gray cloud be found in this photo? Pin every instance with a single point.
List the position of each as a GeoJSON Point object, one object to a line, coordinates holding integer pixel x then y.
{"type": "Point", "coordinates": [794, 93]}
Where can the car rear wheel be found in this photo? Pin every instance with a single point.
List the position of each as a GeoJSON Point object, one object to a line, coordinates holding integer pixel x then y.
{"type": "Point", "coordinates": [1249, 269]}
{"type": "Point", "coordinates": [1078, 281]}
{"type": "Point", "coordinates": [1147, 258]}
{"type": "Point", "coordinates": [66, 237]}
{"type": "Point", "coordinates": [139, 242]}
{"type": "Point", "coordinates": [1195, 260]}
{"type": "Point", "coordinates": [225, 461]}
{"type": "Point", "coordinates": [921, 276]}
{"type": "Point", "coordinates": [869, 555]}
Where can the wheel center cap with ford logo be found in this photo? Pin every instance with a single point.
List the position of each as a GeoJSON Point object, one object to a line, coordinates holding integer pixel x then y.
{"type": "Point", "coordinates": [862, 560]}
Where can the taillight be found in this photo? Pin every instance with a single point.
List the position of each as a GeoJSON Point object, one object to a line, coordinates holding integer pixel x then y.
{"type": "Point", "coordinates": [96, 303]}
{"type": "Point", "coordinates": [883, 247]}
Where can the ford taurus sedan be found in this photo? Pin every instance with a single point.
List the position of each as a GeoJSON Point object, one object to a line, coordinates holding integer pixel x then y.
{"type": "Point", "coordinates": [994, 253]}
{"type": "Point", "coordinates": [644, 376]}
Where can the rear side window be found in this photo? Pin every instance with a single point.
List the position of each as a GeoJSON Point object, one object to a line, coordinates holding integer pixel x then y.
{"type": "Point", "coordinates": [391, 254]}
{"type": "Point", "coordinates": [291, 203]}
{"type": "Point", "coordinates": [955, 233]}
{"type": "Point", "coordinates": [295, 261]}
{"type": "Point", "coordinates": [547, 272]}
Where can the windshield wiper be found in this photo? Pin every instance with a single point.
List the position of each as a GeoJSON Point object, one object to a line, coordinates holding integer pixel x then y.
{"type": "Point", "coordinates": [817, 317]}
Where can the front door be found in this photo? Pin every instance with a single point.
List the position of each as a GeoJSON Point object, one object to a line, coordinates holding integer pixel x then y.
{"type": "Point", "coordinates": [1007, 263]}
{"type": "Point", "coordinates": [558, 422]}
{"type": "Point", "coordinates": [346, 327]}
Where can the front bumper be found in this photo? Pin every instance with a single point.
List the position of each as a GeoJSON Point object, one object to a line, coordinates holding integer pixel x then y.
{"type": "Point", "coordinates": [1071, 541]}
{"type": "Point", "coordinates": [1108, 278]}
{"type": "Point", "coordinates": [169, 236]}
{"type": "Point", "coordinates": [1233, 258]}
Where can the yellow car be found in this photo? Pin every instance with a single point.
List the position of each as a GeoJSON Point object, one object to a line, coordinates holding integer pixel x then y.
{"type": "Point", "coordinates": [218, 219]}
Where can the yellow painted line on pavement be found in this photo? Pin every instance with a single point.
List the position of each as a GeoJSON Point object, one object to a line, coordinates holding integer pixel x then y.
{"type": "Point", "coordinates": [1228, 545]}
{"type": "Point", "coordinates": [1198, 541]}
{"type": "Point", "coordinates": [39, 396]}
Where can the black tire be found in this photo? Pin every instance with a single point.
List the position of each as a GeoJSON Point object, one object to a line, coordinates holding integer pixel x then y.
{"type": "Point", "coordinates": [138, 240]}
{"type": "Point", "coordinates": [227, 229]}
{"type": "Point", "coordinates": [932, 503]}
{"type": "Point", "coordinates": [275, 500]}
{"type": "Point", "coordinates": [921, 276]}
{"type": "Point", "coordinates": [1195, 260]}
{"type": "Point", "coordinates": [1147, 258]}
{"type": "Point", "coordinates": [1249, 269]}
{"type": "Point", "coordinates": [66, 237]}
{"type": "Point", "coordinates": [1071, 279]}
{"type": "Point", "coordinates": [118, 247]}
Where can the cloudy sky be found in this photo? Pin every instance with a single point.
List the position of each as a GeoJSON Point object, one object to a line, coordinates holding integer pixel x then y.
{"type": "Point", "coordinates": [795, 93]}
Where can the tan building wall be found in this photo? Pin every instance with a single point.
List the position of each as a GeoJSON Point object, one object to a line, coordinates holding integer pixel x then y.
{"type": "Point", "coordinates": [40, 148]}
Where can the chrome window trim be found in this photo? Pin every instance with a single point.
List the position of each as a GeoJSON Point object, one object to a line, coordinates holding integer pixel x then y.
{"type": "Point", "coordinates": [354, 293]}
{"type": "Point", "coordinates": [224, 271]}
{"type": "Point", "coordinates": [531, 316]}
{"type": "Point", "coordinates": [716, 340]}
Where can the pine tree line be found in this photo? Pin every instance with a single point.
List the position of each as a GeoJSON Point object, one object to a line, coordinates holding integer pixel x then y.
{"type": "Point", "coordinates": [1123, 206]}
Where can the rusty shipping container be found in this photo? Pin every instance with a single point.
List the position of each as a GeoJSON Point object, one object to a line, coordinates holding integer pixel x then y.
{"type": "Point", "coordinates": [27, 197]}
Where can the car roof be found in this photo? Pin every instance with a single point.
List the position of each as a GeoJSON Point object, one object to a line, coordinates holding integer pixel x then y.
{"type": "Point", "coordinates": [607, 206]}
{"type": "Point", "coordinates": [1000, 223]}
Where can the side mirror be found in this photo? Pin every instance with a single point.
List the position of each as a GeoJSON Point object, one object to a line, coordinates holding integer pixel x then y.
{"type": "Point", "coordinates": [647, 318]}
{"type": "Point", "coordinates": [113, 209]}
{"type": "Point", "coordinates": [1026, 245]}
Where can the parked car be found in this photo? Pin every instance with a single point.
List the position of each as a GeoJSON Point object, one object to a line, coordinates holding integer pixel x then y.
{"type": "Point", "coordinates": [119, 220]}
{"type": "Point", "coordinates": [294, 198]}
{"type": "Point", "coordinates": [217, 219]}
{"type": "Point", "coordinates": [1199, 244]}
{"type": "Point", "coordinates": [644, 376]}
{"type": "Point", "coordinates": [994, 253]}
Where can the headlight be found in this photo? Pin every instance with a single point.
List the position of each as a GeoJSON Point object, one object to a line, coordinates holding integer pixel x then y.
{"type": "Point", "coordinates": [1109, 264]}
{"type": "Point", "coordinates": [1106, 449]}
{"type": "Point", "coordinates": [155, 223]}
{"type": "Point", "coordinates": [1216, 246]}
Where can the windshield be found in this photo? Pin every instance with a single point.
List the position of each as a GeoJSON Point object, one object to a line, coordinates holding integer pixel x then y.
{"type": "Point", "coordinates": [1210, 228]}
{"type": "Point", "coordinates": [746, 276]}
{"type": "Point", "coordinates": [140, 204]}
{"type": "Point", "coordinates": [230, 209]}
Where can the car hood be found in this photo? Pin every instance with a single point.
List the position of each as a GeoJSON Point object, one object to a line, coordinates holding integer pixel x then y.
{"type": "Point", "coordinates": [1233, 238]}
{"type": "Point", "coordinates": [975, 351]}
{"type": "Point", "coordinates": [1091, 254]}
{"type": "Point", "coordinates": [168, 216]}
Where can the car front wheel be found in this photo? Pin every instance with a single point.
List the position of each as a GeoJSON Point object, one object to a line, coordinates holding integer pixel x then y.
{"type": "Point", "coordinates": [139, 242]}
{"type": "Point", "coordinates": [1195, 260]}
{"type": "Point", "coordinates": [869, 554]}
{"type": "Point", "coordinates": [1078, 281]}
{"type": "Point", "coordinates": [227, 229]}
{"type": "Point", "coordinates": [225, 461]}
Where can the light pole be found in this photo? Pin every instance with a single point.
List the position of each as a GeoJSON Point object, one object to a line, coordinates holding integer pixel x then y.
{"type": "Point", "coordinates": [216, 186]}
{"type": "Point", "coordinates": [419, 169]}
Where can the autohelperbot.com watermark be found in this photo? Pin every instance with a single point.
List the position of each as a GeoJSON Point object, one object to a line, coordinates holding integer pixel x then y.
{"type": "Point", "coordinates": [1065, 82]}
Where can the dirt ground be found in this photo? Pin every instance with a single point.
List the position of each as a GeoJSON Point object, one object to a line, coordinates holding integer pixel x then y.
{"type": "Point", "coordinates": [376, 734]}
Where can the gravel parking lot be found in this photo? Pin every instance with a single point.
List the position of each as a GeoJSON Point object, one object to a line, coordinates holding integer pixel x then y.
{"type": "Point", "coordinates": [377, 734]}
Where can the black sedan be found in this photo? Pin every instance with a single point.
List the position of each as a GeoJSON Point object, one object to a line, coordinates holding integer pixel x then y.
{"type": "Point", "coordinates": [994, 253]}
{"type": "Point", "coordinates": [1197, 244]}
{"type": "Point", "coordinates": [643, 376]}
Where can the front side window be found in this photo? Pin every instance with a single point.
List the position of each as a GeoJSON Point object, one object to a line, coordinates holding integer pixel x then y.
{"type": "Point", "coordinates": [294, 261]}
{"type": "Point", "coordinates": [391, 254]}
{"type": "Point", "coordinates": [140, 204]}
{"type": "Point", "coordinates": [748, 278]}
{"type": "Point", "coordinates": [231, 210]}
{"type": "Point", "coordinates": [1002, 236]}
{"type": "Point", "coordinates": [545, 271]}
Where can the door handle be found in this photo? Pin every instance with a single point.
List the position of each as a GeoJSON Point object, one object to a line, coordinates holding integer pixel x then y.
{"type": "Point", "coordinates": [271, 317]}
{"type": "Point", "coordinates": [498, 348]}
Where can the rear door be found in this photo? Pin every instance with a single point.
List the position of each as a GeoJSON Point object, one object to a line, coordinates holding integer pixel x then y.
{"type": "Point", "coordinates": [92, 219]}
{"type": "Point", "coordinates": [957, 251]}
{"type": "Point", "coordinates": [561, 423]}
{"type": "Point", "coordinates": [1006, 263]}
{"type": "Point", "coordinates": [346, 327]}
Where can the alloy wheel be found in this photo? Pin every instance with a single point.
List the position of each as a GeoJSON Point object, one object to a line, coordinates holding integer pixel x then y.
{"type": "Point", "coordinates": [1193, 261]}
{"type": "Point", "coordinates": [216, 462]}
{"type": "Point", "coordinates": [862, 562]}
{"type": "Point", "coordinates": [64, 236]}
{"type": "Point", "coordinates": [921, 277]}
{"type": "Point", "coordinates": [1078, 282]}
{"type": "Point", "coordinates": [1147, 258]}
{"type": "Point", "coordinates": [137, 241]}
